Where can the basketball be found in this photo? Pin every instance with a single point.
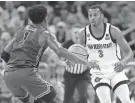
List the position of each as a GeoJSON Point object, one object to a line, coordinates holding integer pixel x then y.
{"type": "Point", "coordinates": [79, 50]}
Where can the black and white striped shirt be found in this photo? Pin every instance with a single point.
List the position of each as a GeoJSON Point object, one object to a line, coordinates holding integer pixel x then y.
{"type": "Point", "coordinates": [76, 68]}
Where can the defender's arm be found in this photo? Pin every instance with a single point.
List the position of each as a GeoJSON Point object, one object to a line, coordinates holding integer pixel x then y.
{"type": "Point", "coordinates": [62, 52]}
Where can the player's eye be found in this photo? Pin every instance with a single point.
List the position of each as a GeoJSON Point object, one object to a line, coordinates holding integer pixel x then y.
{"type": "Point", "coordinates": [95, 15]}
{"type": "Point", "coordinates": [90, 15]}
{"type": "Point", "coordinates": [75, 32]}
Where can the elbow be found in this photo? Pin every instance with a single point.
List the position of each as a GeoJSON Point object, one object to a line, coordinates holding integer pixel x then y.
{"type": "Point", "coordinates": [130, 54]}
{"type": "Point", "coordinates": [5, 56]}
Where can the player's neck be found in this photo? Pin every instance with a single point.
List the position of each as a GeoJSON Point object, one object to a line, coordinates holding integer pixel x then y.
{"type": "Point", "coordinates": [99, 27]}
{"type": "Point", "coordinates": [40, 26]}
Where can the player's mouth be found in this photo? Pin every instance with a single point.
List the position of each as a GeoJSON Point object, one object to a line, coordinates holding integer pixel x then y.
{"type": "Point", "coordinates": [93, 21]}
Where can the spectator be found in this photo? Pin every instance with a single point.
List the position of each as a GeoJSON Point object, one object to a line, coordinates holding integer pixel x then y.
{"type": "Point", "coordinates": [72, 17]}
{"type": "Point", "coordinates": [64, 13]}
{"type": "Point", "coordinates": [61, 32]}
{"type": "Point", "coordinates": [52, 28]}
{"type": "Point", "coordinates": [2, 28]}
{"type": "Point", "coordinates": [19, 21]}
{"type": "Point", "coordinates": [126, 16]}
{"type": "Point", "coordinates": [4, 39]}
{"type": "Point", "coordinates": [74, 36]}
{"type": "Point", "coordinates": [9, 14]}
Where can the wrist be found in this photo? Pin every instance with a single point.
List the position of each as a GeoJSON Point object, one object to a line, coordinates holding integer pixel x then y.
{"type": "Point", "coordinates": [123, 63]}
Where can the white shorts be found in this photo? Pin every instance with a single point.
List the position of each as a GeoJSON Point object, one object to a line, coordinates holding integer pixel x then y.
{"type": "Point", "coordinates": [112, 80]}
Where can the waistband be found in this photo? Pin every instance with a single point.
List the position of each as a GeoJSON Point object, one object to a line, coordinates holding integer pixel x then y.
{"type": "Point", "coordinates": [19, 68]}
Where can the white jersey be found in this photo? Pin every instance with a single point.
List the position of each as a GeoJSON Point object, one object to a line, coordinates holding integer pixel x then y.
{"type": "Point", "coordinates": [105, 51]}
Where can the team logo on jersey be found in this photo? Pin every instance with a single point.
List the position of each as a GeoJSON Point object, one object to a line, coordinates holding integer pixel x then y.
{"type": "Point", "coordinates": [97, 79]}
{"type": "Point", "coordinates": [88, 35]}
{"type": "Point", "coordinates": [99, 46]}
{"type": "Point", "coordinates": [107, 37]}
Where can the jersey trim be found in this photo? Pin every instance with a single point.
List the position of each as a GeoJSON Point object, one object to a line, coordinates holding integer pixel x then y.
{"type": "Point", "coordinates": [85, 35]}
{"type": "Point", "coordinates": [94, 35]}
{"type": "Point", "coordinates": [40, 53]}
{"type": "Point", "coordinates": [117, 51]}
{"type": "Point", "coordinates": [113, 40]}
{"type": "Point", "coordinates": [102, 84]}
{"type": "Point", "coordinates": [120, 83]}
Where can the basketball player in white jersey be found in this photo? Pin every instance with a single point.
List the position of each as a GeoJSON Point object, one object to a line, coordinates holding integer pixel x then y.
{"type": "Point", "coordinates": [104, 42]}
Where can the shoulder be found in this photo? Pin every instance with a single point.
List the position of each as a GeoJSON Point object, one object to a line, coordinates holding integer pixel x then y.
{"type": "Point", "coordinates": [115, 32]}
{"type": "Point", "coordinates": [43, 37]}
{"type": "Point", "coordinates": [115, 29]}
{"type": "Point", "coordinates": [18, 34]}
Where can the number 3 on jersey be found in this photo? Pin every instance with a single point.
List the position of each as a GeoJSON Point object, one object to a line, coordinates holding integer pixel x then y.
{"type": "Point", "coordinates": [26, 34]}
{"type": "Point", "coordinates": [100, 53]}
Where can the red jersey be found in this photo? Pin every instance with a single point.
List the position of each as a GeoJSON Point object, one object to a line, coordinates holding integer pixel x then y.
{"type": "Point", "coordinates": [28, 52]}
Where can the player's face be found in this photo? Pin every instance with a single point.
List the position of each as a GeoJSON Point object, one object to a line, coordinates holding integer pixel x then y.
{"type": "Point", "coordinates": [95, 16]}
{"type": "Point", "coordinates": [75, 32]}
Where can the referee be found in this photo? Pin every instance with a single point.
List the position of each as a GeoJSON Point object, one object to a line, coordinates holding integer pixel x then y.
{"type": "Point", "coordinates": [75, 77]}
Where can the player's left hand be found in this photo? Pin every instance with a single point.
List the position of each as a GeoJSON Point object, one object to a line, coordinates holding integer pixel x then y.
{"type": "Point", "coordinates": [119, 66]}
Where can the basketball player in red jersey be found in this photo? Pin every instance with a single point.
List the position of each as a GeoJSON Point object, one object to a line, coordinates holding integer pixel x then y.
{"type": "Point", "coordinates": [23, 55]}
{"type": "Point", "coordinates": [104, 42]}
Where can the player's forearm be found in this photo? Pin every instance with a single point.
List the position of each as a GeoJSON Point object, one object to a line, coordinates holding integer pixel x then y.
{"type": "Point", "coordinates": [68, 55]}
{"type": "Point", "coordinates": [127, 57]}
{"type": "Point", "coordinates": [9, 47]}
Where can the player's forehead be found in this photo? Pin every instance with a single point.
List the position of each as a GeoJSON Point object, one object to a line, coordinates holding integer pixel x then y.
{"type": "Point", "coordinates": [94, 10]}
{"type": "Point", "coordinates": [75, 29]}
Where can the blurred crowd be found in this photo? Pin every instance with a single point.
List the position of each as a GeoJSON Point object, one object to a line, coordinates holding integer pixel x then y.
{"type": "Point", "coordinates": [62, 15]}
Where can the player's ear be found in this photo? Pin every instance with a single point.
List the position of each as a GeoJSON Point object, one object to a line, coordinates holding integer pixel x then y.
{"type": "Point", "coordinates": [45, 20]}
{"type": "Point", "coordinates": [102, 16]}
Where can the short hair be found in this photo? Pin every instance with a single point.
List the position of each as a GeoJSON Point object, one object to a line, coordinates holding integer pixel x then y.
{"type": "Point", "coordinates": [37, 13]}
{"type": "Point", "coordinates": [97, 7]}
{"type": "Point", "coordinates": [77, 25]}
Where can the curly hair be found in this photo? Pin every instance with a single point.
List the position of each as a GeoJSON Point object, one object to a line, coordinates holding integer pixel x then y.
{"type": "Point", "coordinates": [37, 13]}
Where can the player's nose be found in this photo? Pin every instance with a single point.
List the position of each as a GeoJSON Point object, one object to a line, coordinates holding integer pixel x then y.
{"type": "Point", "coordinates": [93, 18]}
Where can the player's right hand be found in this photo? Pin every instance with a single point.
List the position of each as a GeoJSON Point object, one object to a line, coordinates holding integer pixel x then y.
{"type": "Point", "coordinates": [94, 65]}
{"type": "Point", "coordinates": [69, 63]}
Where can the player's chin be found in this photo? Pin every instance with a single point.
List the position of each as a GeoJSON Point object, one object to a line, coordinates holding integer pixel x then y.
{"type": "Point", "coordinates": [94, 24]}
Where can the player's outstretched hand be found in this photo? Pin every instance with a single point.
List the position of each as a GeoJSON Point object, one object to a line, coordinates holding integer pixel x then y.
{"type": "Point", "coordinates": [119, 66]}
{"type": "Point", "coordinates": [92, 64]}
{"type": "Point", "coordinates": [69, 63]}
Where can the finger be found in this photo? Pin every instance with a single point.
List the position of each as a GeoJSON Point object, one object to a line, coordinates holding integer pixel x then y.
{"type": "Point", "coordinates": [118, 69]}
{"type": "Point", "coordinates": [117, 64]}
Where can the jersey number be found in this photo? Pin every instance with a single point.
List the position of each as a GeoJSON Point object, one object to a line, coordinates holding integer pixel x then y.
{"type": "Point", "coordinates": [100, 53]}
{"type": "Point", "coordinates": [26, 34]}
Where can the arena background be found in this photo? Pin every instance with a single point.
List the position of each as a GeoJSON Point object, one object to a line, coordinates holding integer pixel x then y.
{"type": "Point", "coordinates": [61, 16]}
